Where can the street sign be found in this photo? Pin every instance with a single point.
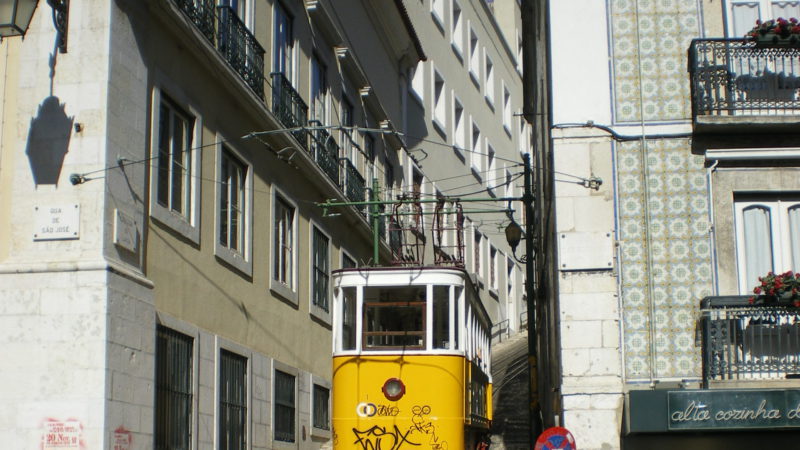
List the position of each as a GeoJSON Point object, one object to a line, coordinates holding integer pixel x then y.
{"type": "Point", "coordinates": [555, 438]}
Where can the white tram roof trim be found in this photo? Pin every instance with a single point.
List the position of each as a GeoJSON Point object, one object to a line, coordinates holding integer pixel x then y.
{"type": "Point", "coordinates": [402, 276]}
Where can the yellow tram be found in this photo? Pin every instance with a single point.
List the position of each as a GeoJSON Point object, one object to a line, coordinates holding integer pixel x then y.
{"type": "Point", "coordinates": [411, 363]}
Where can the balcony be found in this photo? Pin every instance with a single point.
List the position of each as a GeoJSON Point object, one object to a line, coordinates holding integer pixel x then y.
{"type": "Point", "coordinates": [744, 343]}
{"type": "Point", "coordinates": [354, 186]}
{"type": "Point", "coordinates": [289, 107]}
{"type": "Point", "coordinates": [228, 34]}
{"type": "Point", "coordinates": [735, 82]}
{"type": "Point", "coordinates": [325, 151]}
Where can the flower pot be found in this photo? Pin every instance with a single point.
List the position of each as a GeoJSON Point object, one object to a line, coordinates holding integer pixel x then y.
{"type": "Point", "coordinates": [776, 40]}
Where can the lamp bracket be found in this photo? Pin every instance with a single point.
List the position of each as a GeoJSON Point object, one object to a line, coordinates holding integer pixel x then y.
{"type": "Point", "coordinates": [61, 22]}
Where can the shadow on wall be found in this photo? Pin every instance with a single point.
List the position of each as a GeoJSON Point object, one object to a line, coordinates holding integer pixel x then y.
{"type": "Point", "coordinates": [48, 141]}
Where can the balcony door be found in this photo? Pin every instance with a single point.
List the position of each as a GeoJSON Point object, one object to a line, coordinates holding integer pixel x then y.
{"type": "Point", "coordinates": [742, 14]}
{"type": "Point", "coordinates": [767, 236]}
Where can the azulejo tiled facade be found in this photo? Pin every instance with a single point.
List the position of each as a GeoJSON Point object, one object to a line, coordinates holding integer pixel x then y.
{"type": "Point", "coordinates": [655, 33]}
{"type": "Point", "coordinates": [663, 205]}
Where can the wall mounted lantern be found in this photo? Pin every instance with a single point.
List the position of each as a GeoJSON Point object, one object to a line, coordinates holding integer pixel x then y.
{"type": "Point", "coordinates": [15, 16]}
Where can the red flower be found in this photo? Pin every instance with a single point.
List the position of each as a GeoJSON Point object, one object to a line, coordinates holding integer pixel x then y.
{"type": "Point", "coordinates": [757, 290]}
{"type": "Point", "coordinates": [751, 300]}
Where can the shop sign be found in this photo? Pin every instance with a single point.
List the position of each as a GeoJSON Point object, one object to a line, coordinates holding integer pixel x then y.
{"type": "Point", "coordinates": [728, 409]}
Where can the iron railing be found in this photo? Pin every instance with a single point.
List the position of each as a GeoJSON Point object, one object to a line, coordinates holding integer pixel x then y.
{"type": "Point", "coordinates": [223, 28]}
{"type": "Point", "coordinates": [325, 151]}
{"type": "Point", "coordinates": [289, 107]}
{"type": "Point", "coordinates": [740, 77]}
{"type": "Point", "coordinates": [354, 185]}
{"type": "Point", "coordinates": [741, 341]}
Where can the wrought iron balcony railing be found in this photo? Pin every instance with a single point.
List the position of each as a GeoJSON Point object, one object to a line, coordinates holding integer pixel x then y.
{"type": "Point", "coordinates": [225, 30]}
{"type": "Point", "coordinates": [746, 342]}
{"type": "Point", "coordinates": [289, 107]}
{"type": "Point", "coordinates": [354, 185]}
{"type": "Point", "coordinates": [738, 77]}
{"type": "Point", "coordinates": [325, 150]}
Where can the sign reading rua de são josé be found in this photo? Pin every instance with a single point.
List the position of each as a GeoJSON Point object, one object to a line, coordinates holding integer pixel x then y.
{"type": "Point", "coordinates": [694, 410]}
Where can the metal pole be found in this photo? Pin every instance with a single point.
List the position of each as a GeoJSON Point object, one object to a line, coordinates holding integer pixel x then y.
{"type": "Point", "coordinates": [534, 415]}
{"type": "Point", "coordinates": [375, 216]}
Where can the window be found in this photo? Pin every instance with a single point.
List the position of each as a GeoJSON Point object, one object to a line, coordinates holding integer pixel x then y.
{"type": "Point", "coordinates": [232, 417]}
{"type": "Point", "coordinates": [320, 270]}
{"type": "Point", "coordinates": [173, 404]}
{"type": "Point", "coordinates": [506, 110]}
{"type": "Point", "coordinates": [491, 176]}
{"type": "Point", "coordinates": [238, 6]}
{"type": "Point", "coordinates": [457, 28]}
{"type": "Point", "coordinates": [476, 154]}
{"type": "Point", "coordinates": [283, 54]}
{"type": "Point", "coordinates": [319, 91]}
{"type": "Point", "coordinates": [524, 137]}
{"type": "Point", "coordinates": [510, 280]}
{"type": "Point", "coordinates": [459, 127]}
{"type": "Point", "coordinates": [768, 236]}
{"type": "Point", "coordinates": [348, 311]}
{"type": "Point", "coordinates": [320, 408]}
{"type": "Point", "coordinates": [417, 77]}
{"type": "Point", "coordinates": [394, 317]}
{"type": "Point", "coordinates": [233, 208]}
{"type": "Point", "coordinates": [520, 49]}
{"type": "Point", "coordinates": [744, 13]}
{"type": "Point", "coordinates": [439, 105]}
{"type": "Point", "coordinates": [348, 262]}
{"type": "Point", "coordinates": [476, 257]}
{"type": "Point", "coordinates": [474, 57]}
{"type": "Point", "coordinates": [489, 73]}
{"type": "Point", "coordinates": [346, 137]}
{"type": "Point", "coordinates": [175, 152]}
{"type": "Point", "coordinates": [493, 268]}
{"type": "Point", "coordinates": [284, 407]}
{"type": "Point", "coordinates": [441, 317]}
{"type": "Point", "coordinates": [369, 149]}
{"type": "Point", "coordinates": [437, 12]}
{"type": "Point", "coordinates": [283, 264]}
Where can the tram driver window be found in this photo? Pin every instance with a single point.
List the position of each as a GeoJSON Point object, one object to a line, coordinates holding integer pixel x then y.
{"type": "Point", "coordinates": [394, 317]}
{"type": "Point", "coordinates": [348, 332]}
{"type": "Point", "coordinates": [441, 317]}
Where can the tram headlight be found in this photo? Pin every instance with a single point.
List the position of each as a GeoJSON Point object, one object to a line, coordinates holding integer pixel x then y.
{"type": "Point", "coordinates": [394, 389]}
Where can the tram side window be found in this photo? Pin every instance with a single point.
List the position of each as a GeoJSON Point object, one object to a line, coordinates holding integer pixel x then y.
{"type": "Point", "coordinates": [394, 317]}
{"type": "Point", "coordinates": [456, 300]}
{"type": "Point", "coordinates": [441, 317]}
{"type": "Point", "coordinates": [348, 318]}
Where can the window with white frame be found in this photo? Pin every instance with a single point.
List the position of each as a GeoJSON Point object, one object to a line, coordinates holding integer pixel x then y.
{"type": "Point", "coordinates": [349, 149]}
{"type": "Point", "coordinates": [319, 91]}
{"type": "Point", "coordinates": [506, 110]}
{"type": "Point", "coordinates": [439, 101]}
{"type": "Point", "coordinates": [491, 174]}
{"type": "Point", "coordinates": [348, 262]}
{"type": "Point", "coordinates": [509, 183]}
{"type": "Point", "coordinates": [437, 12]}
{"type": "Point", "coordinates": [489, 74]}
{"type": "Point", "coordinates": [524, 136]}
{"type": "Point", "coordinates": [321, 416]}
{"type": "Point", "coordinates": [519, 52]}
{"type": "Point", "coordinates": [474, 56]}
{"type": "Point", "coordinates": [459, 126]}
{"type": "Point", "coordinates": [767, 236]}
{"type": "Point", "coordinates": [417, 77]}
{"type": "Point", "coordinates": [176, 165]}
{"type": "Point", "coordinates": [232, 418]}
{"type": "Point", "coordinates": [283, 245]}
{"type": "Point", "coordinates": [456, 28]}
{"type": "Point", "coordinates": [285, 410]}
{"type": "Point", "coordinates": [493, 267]}
{"type": "Point", "coordinates": [477, 252]}
{"type": "Point", "coordinates": [320, 271]}
{"type": "Point", "coordinates": [174, 392]}
{"type": "Point", "coordinates": [283, 44]}
{"type": "Point", "coordinates": [510, 280]}
{"type": "Point", "coordinates": [233, 209]}
{"type": "Point", "coordinates": [744, 13]}
{"type": "Point", "coordinates": [476, 152]}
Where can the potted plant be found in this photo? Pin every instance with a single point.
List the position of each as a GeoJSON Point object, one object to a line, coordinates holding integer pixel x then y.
{"type": "Point", "coordinates": [776, 33]}
{"type": "Point", "coordinates": [777, 289]}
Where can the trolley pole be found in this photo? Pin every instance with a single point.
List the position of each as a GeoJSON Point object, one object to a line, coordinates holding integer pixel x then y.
{"type": "Point", "coordinates": [534, 409]}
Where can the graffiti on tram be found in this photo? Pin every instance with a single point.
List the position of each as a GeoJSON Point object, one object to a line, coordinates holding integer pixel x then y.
{"type": "Point", "coordinates": [376, 437]}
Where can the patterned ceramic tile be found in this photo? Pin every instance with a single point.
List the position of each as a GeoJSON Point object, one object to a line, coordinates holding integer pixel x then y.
{"type": "Point", "coordinates": [672, 275]}
{"type": "Point", "coordinates": [649, 43]}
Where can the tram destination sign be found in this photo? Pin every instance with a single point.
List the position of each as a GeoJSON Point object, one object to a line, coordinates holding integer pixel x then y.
{"type": "Point", "coordinates": [728, 409]}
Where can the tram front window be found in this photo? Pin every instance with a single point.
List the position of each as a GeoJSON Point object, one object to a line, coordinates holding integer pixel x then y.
{"type": "Point", "coordinates": [441, 317]}
{"type": "Point", "coordinates": [394, 317]}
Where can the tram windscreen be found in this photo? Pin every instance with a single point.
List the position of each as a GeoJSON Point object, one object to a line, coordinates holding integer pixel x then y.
{"type": "Point", "coordinates": [394, 317]}
{"type": "Point", "coordinates": [441, 317]}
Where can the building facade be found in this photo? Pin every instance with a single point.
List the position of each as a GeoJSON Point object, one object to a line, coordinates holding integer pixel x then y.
{"type": "Point", "coordinates": [659, 346]}
{"type": "Point", "coordinates": [164, 261]}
